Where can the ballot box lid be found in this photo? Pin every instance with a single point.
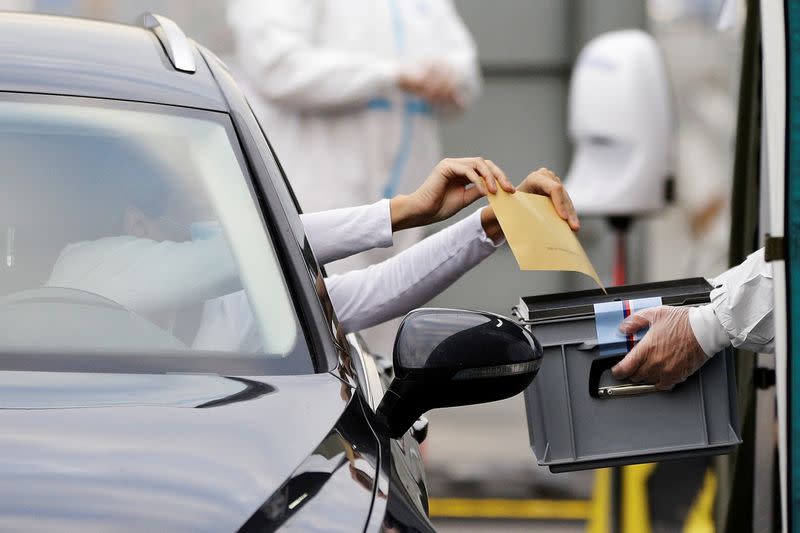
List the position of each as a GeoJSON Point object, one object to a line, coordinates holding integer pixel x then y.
{"type": "Point", "coordinates": [578, 304]}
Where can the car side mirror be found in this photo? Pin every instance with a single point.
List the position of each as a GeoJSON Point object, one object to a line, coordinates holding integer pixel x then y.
{"type": "Point", "coordinates": [450, 357]}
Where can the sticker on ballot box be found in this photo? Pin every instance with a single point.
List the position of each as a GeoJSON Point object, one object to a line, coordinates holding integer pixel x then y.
{"type": "Point", "coordinates": [609, 315]}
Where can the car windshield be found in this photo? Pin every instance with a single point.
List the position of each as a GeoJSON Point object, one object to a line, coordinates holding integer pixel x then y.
{"type": "Point", "coordinates": [131, 229]}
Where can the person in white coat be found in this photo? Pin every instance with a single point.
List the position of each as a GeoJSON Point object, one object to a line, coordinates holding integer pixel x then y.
{"type": "Point", "coordinates": [153, 275]}
{"type": "Point", "coordinates": [357, 86]}
{"type": "Point", "coordinates": [682, 339]}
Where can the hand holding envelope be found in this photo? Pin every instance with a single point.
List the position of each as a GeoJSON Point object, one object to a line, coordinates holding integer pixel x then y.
{"type": "Point", "coordinates": [539, 238]}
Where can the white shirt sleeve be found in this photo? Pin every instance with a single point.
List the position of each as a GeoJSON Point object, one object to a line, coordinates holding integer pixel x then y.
{"type": "Point", "coordinates": [275, 43]}
{"type": "Point", "coordinates": [741, 309]}
{"type": "Point", "coordinates": [364, 298]}
{"type": "Point", "coordinates": [340, 233]}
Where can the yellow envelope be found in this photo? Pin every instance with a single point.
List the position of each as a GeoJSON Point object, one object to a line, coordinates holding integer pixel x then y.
{"type": "Point", "coordinates": [539, 238]}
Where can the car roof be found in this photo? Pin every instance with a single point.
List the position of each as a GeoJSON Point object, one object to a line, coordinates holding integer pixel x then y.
{"type": "Point", "coordinates": [79, 57]}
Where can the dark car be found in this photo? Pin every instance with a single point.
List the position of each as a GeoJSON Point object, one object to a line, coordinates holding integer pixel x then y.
{"type": "Point", "coordinates": [169, 359]}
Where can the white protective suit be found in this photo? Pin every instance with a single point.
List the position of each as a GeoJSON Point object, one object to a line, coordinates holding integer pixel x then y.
{"type": "Point", "coordinates": [321, 76]}
{"type": "Point", "coordinates": [183, 274]}
{"type": "Point", "coordinates": [741, 309]}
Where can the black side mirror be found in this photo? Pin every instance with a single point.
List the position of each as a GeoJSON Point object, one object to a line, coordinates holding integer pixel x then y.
{"type": "Point", "coordinates": [449, 357]}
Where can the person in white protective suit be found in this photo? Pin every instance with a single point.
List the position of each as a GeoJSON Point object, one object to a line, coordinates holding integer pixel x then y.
{"type": "Point", "coordinates": [357, 86]}
{"type": "Point", "coordinates": [681, 339]}
{"type": "Point", "coordinates": [147, 272]}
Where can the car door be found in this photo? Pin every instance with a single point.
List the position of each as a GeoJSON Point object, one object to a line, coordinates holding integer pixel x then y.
{"type": "Point", "coordinates": [374, 375]}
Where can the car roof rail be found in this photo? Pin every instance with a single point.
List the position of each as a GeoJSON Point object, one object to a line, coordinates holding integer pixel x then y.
{"type": "Point", "coordinates": [174, 41]}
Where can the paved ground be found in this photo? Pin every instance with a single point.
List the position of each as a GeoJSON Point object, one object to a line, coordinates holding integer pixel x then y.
{"type": "Point", "coordinates": [499, 526]}
{"type": "Point", "coordinates": [483, 451]}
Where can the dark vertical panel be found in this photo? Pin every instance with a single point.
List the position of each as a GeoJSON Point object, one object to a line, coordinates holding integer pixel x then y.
{"type": "Point", "coordinates": [792, 231]}
{"type": "Point", "coordinates": [737, 515]}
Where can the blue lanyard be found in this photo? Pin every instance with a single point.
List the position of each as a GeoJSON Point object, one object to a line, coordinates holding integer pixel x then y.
{"type": "Point", "coordinates": [412, 106]}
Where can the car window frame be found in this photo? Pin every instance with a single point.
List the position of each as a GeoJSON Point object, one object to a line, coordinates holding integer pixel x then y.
{"type": "Point", "coordinates": [272, 229]}
{"type": "Point", "coordinates": [280, 207]}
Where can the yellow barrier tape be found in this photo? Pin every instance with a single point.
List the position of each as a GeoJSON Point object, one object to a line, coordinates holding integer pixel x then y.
{"type": "Point", "coordinates": [701, 516]}
{"type": "Point", "coordinates": [509, 508]}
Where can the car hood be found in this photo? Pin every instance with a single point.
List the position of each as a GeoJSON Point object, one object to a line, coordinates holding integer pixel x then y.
{"type": "Point", "coordinates": [153, 452]}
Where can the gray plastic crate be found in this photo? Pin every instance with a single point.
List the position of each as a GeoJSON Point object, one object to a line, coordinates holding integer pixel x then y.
{"type": "Point", "coordinates": [570, 429]}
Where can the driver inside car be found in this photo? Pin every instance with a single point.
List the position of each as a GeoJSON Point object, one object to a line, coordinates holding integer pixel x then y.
{"type": "Point", "coordinates": [165, 260]}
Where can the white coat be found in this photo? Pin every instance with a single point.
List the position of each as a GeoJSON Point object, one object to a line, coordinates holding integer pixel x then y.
{"type": "Point", "coordinates": [321, 76]}
{"type": "Point", "coordinates": [741, 309]}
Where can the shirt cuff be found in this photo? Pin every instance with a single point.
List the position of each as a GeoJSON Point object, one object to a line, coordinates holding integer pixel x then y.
{"type": "Point", "coordinates": [381, 213]}
{"type": "Point", "coordinates": [474, 226]}
{"type": "Point", "coordinates": [708, 330]}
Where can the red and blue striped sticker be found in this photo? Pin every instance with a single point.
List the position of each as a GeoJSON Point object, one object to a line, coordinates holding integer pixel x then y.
{"type": "Point", "coordinates": [609, 315]}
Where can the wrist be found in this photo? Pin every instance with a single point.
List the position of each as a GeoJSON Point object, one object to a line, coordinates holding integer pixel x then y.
{"type": "Point", "coordinates": [491, 226]}
{"type": "Point", "coordinates": [402, 213]}
{"type": "Point", "coordinates": [707, 330]}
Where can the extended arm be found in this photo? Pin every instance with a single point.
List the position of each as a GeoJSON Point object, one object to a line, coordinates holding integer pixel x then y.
{"type": "Point", "coordinates": [364, 298]}
{"type": "Point", "coordinates": [740, 312]}
{"type": "Point", "coordinates": [681, 339]}
{"type": "Point", "coordinates": [339, 233]}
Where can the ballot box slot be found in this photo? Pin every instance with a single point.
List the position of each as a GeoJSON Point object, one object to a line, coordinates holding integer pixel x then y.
{"type": "Point", "coordinates": [587, 311]}
{"type": "Point", "coordinates": [579, 304]}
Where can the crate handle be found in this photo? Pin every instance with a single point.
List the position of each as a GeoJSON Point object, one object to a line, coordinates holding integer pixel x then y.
{"type": "Point", "coordinates": [603, 364]}
{"type": "Point", "coordinates": [631, 389]}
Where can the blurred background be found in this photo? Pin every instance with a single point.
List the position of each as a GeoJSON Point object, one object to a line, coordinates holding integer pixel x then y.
{"type": "Point", "coordinates": [527, 50]}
